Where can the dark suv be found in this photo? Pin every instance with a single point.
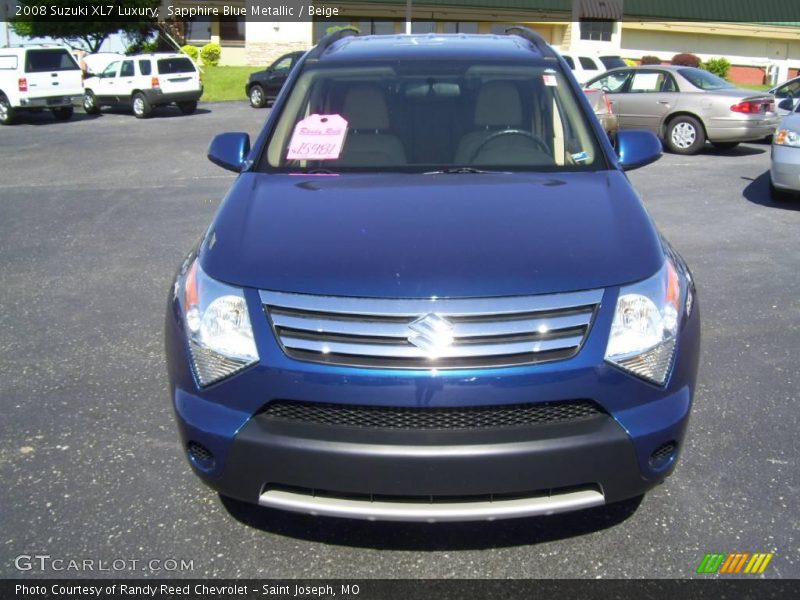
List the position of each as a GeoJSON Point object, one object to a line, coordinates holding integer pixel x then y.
{"type": "Point", "coordinates": [432, 294]}
{"type": "Point", "coordinates": [264, 86]}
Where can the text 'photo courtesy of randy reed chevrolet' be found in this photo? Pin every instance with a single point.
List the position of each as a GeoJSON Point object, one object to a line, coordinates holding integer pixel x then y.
{"type": "Point", "coordinates": [391, 298]}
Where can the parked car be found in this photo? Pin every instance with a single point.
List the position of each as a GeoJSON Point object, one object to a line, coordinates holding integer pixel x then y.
{"type": "Point", "coordinates": [96, 63]}
{"type": "Point", "coordinates": [586, 66]}
{"type": "Point", "coordinates": [685, 106]}
{"type": "Point", "coordinates": [144, 82]}
{"type": "Point", "coordinates": [36, 77]}
{"type": "Point", "coordinates": [603, 111]}
{"type": "Point", "coordinates": [432, 294]}
{"type": "Point", "coordinates": [264, 86]}
{"type": "Point", "coordinates": [787, 90]}
{"type": "Point", "coordinates": [784, 169]}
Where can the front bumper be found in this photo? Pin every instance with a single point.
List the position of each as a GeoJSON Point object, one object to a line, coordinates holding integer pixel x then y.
{"type": "Point", "coordinates": [432, 475]}
{"type": "Point", "coordinates": [784, 168]}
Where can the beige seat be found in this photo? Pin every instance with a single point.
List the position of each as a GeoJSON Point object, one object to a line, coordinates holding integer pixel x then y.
{"type": "Point", "coordinates": [498, 107]}
{"type": "Point", "coordinates": [368, 143]}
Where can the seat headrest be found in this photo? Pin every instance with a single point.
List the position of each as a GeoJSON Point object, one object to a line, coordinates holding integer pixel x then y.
{"type": "Point", "coordinates": [365, 108]}
{"type": "Point", "coordinates": [498, 104]}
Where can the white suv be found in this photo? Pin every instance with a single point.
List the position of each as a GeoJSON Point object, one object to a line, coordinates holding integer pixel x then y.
{"type": "Point", "coordinates": [586, 66]}
{"type": "Point", "coordinates": [35, 77]}
{"type": "Point", "coordinates": [144, 82]}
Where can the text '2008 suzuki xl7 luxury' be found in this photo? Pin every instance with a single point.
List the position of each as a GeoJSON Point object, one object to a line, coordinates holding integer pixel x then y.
{"type": "Point", "coordinates": [432, 294]}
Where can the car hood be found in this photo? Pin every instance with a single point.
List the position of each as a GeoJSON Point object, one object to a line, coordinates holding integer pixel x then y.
{"type": "Point", "coordinates": [415, 235]}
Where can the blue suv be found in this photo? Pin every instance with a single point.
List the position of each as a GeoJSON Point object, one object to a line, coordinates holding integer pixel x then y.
{"type": "Point", "coordinates": [432, 294]}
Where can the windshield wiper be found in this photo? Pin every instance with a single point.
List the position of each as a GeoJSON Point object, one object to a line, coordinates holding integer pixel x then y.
{"type": "Point", "coordinates": [460, 170]}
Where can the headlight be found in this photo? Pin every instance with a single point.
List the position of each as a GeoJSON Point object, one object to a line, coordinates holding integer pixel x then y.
{"type": "Point", "coordinates": [217, 325]}
{"type": "Point", "coordinates": [787, 137]}
{"type": "Point", "coordinates": [645, 326]}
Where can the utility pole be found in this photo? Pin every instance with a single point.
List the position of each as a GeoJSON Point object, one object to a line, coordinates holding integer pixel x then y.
{"type": "Point", "coordinates": [408, 17]}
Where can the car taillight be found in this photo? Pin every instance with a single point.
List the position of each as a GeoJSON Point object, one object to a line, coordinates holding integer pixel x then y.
{"type": "Point", "coordinates": [154, 82]}
{"type": "Point", "coordinates": [23, 84]}
{"type": "Point", "coordinates": [748, 107]}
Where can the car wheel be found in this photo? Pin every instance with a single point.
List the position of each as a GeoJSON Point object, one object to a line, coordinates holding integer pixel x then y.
{"type": "Point", "coordinates": [685, 135]}
{"type": "Point", "coordinates": [724, 145]}
{"type": "Point", "coordinates": [90, 106]}
{"type": "Point", "coordinates": [187, 108]}
{"type": "Point", "coordinates": [63, 113]}
{"type": "Point", "coordinates": [7, 114]}
{"type": "Point", "coordinates": [779, 195]}
{"type": "Point", "coordinates": [141, 106]}
{"type": "Point", "coordinates": [258, 99]}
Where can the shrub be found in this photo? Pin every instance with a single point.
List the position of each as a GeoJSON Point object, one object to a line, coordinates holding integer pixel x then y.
{"type": "Point", "coordinates": [651, 60]}
{"type": "Point", "coordinates": [191, 51]}
{"type": "Point", "coordinates": [686, 60]}
{"type": "Point", "coordinates": [210, 54]}
{"type": "Point", "coordinates": [142, 47]}
{"type": "Point", "coordinates": [718, 66]}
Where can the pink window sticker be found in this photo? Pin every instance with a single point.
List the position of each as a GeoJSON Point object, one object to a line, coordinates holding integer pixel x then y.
{"type": "Point", "coordinates": [318, 137]}
{"type": "Point", "coordinates": [549, 80]}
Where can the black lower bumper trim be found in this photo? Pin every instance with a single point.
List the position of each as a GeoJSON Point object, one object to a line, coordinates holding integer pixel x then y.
{"type": "Point", "coordinates": [270, 453]}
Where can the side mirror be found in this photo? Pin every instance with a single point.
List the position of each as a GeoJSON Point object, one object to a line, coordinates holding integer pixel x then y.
{"type": "Point", "coordinates": [786, 104]}
{"type": "Point", "coordinates": [230, 150]}
{"type": "Point", "coordinates": [637, 148]}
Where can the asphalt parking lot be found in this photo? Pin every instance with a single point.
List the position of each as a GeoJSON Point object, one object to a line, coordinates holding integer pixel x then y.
{"type": "Point", "coordinates": [97, 213]}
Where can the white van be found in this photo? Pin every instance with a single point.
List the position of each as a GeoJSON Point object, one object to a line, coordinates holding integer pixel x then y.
{"type": "Point", "coordinates": [34, 77]}
{"type": "Point", "coordinates": [143, 82]}
{"type": "Point", "coordinates": [585, 66]}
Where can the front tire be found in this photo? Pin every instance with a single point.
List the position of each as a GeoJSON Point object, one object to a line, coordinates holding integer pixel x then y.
{"type": "Point", "coordinates": [90, 106]}
{"type": "Point", "coordinates": [7, 114]}
{"type": "Point", "coordinates": [187, 108]}
{"type": "Point", "coordinates": [258, 99]}
{"type": "Point", "coordinates": [685, 135]}
{"type": "Point", "coordinates": [142, 108]}
{"type": "Point", "coordinates": [63, 113]}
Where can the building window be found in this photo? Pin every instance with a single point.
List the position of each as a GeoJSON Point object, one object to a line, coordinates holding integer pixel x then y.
{"type": "Point", "coordinates": [460, 27]}
{"type": "Point", "coordinates": [198, 30]}
{"type": "Point", "coordinates": [231, 31]}
{"type": "Point", "coordinates": [596, 30]}
{"type": "Point", "coordinates": [423, 27]}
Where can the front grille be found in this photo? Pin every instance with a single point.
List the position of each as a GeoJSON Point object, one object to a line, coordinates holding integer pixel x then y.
{"type": "Point", "coordinates": [431, 333]}
{"type": "Point", "coordinates": [383, 417]}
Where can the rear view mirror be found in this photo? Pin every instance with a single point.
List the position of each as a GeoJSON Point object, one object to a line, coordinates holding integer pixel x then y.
{"type": "Point", "coordinates": [230, 150]}
{"type": "Point", "coordinates": [637, 148]}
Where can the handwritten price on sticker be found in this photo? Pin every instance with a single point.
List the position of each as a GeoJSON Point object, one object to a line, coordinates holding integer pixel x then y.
{"type": "Point", "coordinates": [318, 137]}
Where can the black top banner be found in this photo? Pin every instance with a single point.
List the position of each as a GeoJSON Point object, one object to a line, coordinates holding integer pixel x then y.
{"type": "Point", "coordinates": [763, 11]}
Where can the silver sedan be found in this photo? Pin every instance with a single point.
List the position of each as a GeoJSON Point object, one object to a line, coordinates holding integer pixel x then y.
{"type": "Point", "coordinates": [685, 106]}
{"type": "Point", "coordinates": [784, 169]}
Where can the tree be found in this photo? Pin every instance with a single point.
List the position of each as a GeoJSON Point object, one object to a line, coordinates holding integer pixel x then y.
{"type": "Point", "coordinates": [89, 31]}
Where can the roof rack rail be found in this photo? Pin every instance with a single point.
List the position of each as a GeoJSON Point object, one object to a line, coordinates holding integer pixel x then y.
{"type": "Point", "coordinates": [533, 37]}
{"type": "Point", "coordinates": [329, 39]}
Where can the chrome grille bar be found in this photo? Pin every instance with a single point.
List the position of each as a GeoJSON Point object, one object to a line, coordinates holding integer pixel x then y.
{"type": "Point", "coordinates": [431, 333]}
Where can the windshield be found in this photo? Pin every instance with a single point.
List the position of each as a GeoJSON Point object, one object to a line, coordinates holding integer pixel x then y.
{"type": "Point", "coordinates": [704, 80]}
{"type": "Point", "coordinates": [423, 116]}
